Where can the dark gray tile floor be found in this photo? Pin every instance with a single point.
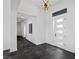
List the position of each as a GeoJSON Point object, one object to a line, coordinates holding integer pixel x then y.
{"type": "Point", "coordinates": [28, 50]}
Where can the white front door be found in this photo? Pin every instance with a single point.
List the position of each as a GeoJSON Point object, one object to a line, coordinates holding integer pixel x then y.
{"type": "Point", "coordinates": [58, 30]}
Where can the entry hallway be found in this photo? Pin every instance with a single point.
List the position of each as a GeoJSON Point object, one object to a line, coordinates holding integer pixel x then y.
{"type": "Point", "coordinates": [28, 50]}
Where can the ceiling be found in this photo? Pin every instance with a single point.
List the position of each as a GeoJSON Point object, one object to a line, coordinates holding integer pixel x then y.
{"type": "Point", "coordinates": [39, 2]}
{"type": "Point", "coordinates": [30, 7]}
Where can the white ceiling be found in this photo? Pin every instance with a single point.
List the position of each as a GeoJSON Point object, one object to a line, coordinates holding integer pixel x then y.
{"type": "Point", "coordinates": [25, 4]}
{"type": "Point", "coordinates": [39, 2]}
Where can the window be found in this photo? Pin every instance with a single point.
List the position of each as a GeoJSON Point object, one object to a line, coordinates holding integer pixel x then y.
{"type": "Point", "coordinates": [30, 28]}
{"type": "Point", "coordinates": [60, 12]}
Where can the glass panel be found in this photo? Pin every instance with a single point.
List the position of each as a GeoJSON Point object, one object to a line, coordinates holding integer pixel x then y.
{"type": "Point", "coordinates": [60, 26]}
{"type": "Point", "coordinates": [59, 20]}
{"type": "Point", "coordinates": [60, 31]}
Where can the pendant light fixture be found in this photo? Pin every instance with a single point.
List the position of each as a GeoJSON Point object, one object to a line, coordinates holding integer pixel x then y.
{"type": "Point", "coordinates": [45, 5]}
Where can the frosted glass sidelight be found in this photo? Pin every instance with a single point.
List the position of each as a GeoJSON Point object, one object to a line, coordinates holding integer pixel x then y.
{"type": "Point", "coordinates": [60, 26]}
{"type": "Point", "coordinates": [59, 20]}
{"type": "Point", "coordinates": [60, 32]}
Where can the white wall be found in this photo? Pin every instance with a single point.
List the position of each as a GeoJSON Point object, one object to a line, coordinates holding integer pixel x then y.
{"type": "Point", "coordinates": [39, 28]}
{"type": "Point", "coordinates": [23, 28]}
{"type": "Point", "coordinates": [13, 41]}
{"type": "Point", "coordinates": [25, 33]}
{"type": "Point", "coordinates": [10, 25]}
{"type": "Point", "coordinates": [68, 42]}
{"type": "Point", "coordinates": [19, 31]}
{"type": "Point", "coordinates": [6, 25]}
